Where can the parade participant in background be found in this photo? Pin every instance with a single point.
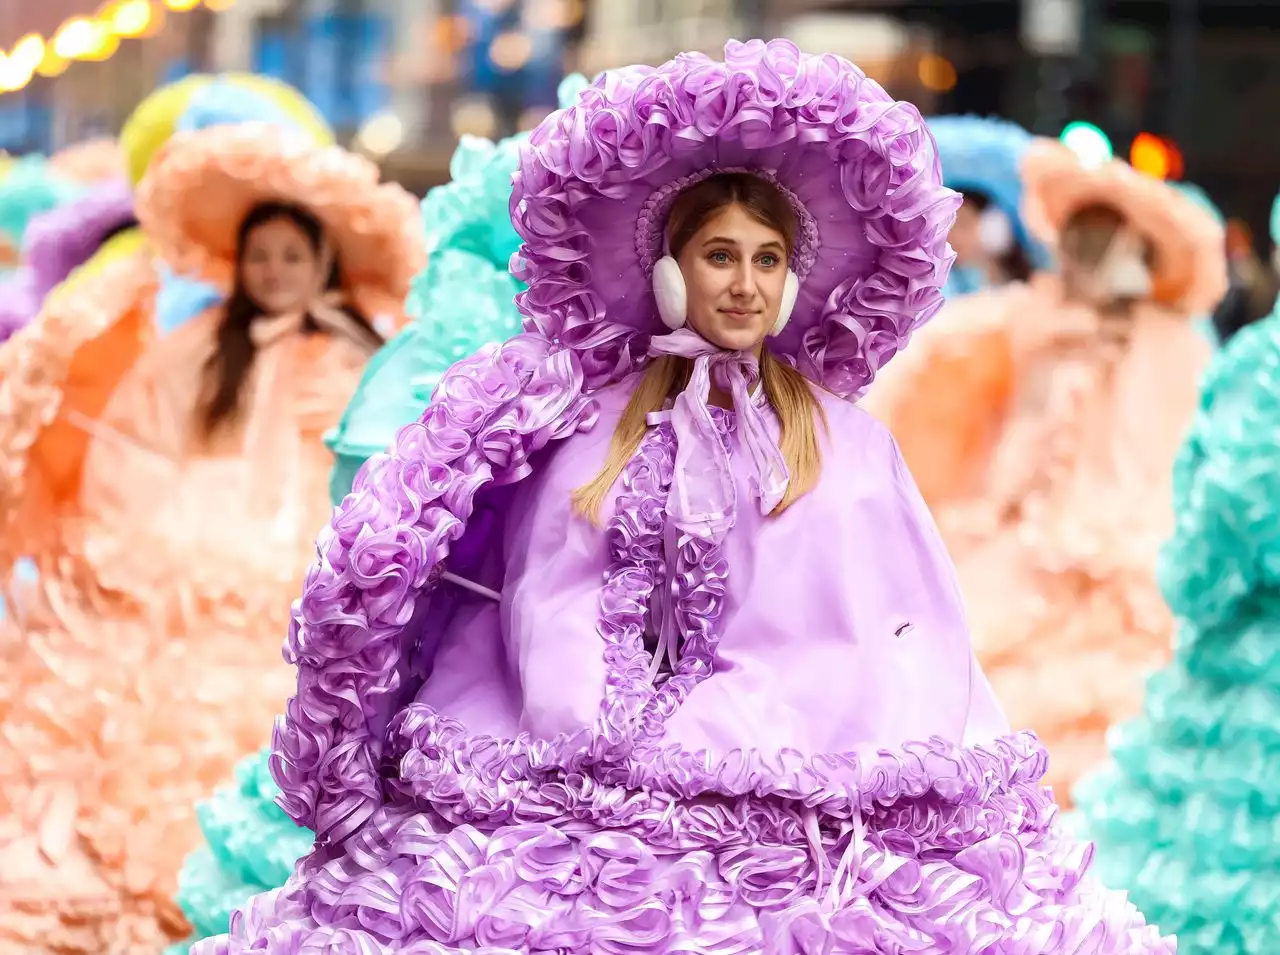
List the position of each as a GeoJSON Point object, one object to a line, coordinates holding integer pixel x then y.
{"type": "Point", "coordinates": [90, 162]}
{"type": "Point", "coordinates": [58, 242]}
{"type": "Point", "coordinates": [942, 442]}
{"type": "Point", "coordinates": [980, 160]}
{"type": "Point", "coordinates": [28, 188]}
{"type": "Point", "coordinates": [147, 662]}
{"type": "Point", "coordinates": [1185, 812]}
{"type": "Point", "coordinates": [1057, 543]}
{"type": "Point", "coordinates": [1254, 281]}
{"type": "Point", "coordinates": [1251, 287]}
{"type": "Point", "coordinates": [462, 301]}
{"type": "Point", "coordinates": [66, 367]}
{"type": "Point", "coordinates": [198, 102]}
{"type": "Point", "coordinates": [642, 639]}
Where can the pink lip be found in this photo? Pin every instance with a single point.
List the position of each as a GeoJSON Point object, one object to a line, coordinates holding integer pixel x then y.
{"type": "Point", "coordinates": [736, 313]}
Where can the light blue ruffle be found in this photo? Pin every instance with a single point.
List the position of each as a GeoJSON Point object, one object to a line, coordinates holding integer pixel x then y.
{"type": "Point", "coordinates": [181, 299]}
{"type": "Point", "coordinates": [981, 154]}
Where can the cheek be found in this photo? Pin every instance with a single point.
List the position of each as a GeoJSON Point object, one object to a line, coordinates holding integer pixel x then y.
{"type": "Point", "coordinates": [299, 275]}
{"type": "Point", "coordinates": [964, 236]}
{"type": "Point", "coordinates": [772, 283]}
{"type": "Point", "coordinates": [706, 284]}
{"type": "Point", "coordinates": [253, 275]}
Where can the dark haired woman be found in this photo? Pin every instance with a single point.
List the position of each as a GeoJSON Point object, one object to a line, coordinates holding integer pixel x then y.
{"type": "Point", "coordinates": [148, 661]}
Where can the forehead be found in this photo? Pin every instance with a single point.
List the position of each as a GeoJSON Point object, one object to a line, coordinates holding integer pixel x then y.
{"type": "Point", "coordinates": [734, 222]}
{"type": "Point", "coordinates": [281, 231]}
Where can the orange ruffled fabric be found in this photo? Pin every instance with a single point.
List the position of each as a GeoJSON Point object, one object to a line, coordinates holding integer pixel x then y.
{"type": "Point", "coordinates": [89, 162]}
{"type": "Point", "coordinates": [1056, 555]}
{"type": "Point", "coordinates": [63, 364]}
{"type": "Point", "coordinates": [946, 397]}
{"type": "Point", "coordinates": [146, 660]}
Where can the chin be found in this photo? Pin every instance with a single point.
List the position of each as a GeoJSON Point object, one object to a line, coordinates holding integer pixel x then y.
{"type": "Point", "coordinates": [736, 339]}
{"type": "Point", "coordinates": [278, 306]}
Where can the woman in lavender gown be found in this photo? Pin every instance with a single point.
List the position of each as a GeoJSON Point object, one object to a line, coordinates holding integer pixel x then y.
{"type": "Point", "coordinates": [642, 640]}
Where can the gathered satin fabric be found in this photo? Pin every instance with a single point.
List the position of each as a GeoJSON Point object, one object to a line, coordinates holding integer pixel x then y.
{"type": "Point", "coordinates": [145, 660]}
{"type": "Point", "coordinates": [824, 748]}
{"type": "Point", "coordinates": [703, 498]}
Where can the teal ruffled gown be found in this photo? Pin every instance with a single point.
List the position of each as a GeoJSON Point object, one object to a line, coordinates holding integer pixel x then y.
{"type": "Point", "coordinates": [1186, 816]}
{"type": "Point", "coordinates": [463, 300]}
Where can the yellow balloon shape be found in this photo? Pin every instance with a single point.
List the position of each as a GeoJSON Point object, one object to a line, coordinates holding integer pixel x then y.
{"type": "Point", "coordinates": [154, 120]}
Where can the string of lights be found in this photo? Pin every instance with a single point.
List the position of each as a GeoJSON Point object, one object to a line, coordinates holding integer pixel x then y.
{"type": "Point", "coordinates": [90, 39]}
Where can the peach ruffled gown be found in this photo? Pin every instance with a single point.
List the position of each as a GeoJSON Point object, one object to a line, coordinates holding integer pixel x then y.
{"type": "Point", "coordinates": [147, 658]}
{"type": "Point", "coordinates": [1052, 488]}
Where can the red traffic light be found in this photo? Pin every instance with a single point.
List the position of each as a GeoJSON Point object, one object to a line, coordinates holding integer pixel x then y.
{"type": "Point", "coordinates": [1156, 156]}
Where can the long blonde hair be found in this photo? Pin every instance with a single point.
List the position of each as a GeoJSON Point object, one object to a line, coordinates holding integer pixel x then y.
{"type": "Point", "coordinates": [790, 394]}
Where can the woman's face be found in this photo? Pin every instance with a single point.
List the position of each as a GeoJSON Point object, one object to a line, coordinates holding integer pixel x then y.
{"type": "Point", "coordinates": [1123, 274]}
{"type": "Point", "coordinates": [734, 268]}
{"type": "Point", "coordinates": [279, 268]}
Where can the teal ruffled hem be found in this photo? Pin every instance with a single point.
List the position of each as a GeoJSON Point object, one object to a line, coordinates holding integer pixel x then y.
{"type": "Point", "coordinates": [251, 847]}
{"type": "Point", "coordinates": [1186, 815]}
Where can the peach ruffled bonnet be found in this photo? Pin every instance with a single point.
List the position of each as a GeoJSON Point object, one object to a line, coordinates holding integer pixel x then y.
{"type": "Point", "coordinates": [202, 185]}
{"type": "Point", "coordinates": [1189, 271]}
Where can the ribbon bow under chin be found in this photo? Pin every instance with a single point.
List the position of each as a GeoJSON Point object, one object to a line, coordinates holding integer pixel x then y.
{"type": "Point", "coordinates": [703, 497]}
{"type": "Point", "coordinates": [325, 309]}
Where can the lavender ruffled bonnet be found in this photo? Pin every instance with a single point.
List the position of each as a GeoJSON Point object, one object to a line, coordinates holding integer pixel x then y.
{"type": "Point", "coordinates": [479, 739]}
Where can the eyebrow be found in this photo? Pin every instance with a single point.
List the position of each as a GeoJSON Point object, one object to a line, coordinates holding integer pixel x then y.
{"type": "Point", "coordinates": [725, 240]}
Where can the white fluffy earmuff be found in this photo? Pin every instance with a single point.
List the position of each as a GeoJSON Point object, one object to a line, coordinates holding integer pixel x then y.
{"type": "Point", "coordinates": [669, 289]}
{"type": "Point", "coordinates": [673, 297]}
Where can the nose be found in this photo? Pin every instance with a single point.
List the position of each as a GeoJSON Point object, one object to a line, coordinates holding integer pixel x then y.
{"type": "Point", "coordinates": [744, 280]}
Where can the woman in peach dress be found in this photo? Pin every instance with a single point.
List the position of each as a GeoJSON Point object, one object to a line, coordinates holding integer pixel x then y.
{"type": "Point", "coordinates": [146, 660]}
{"type": "Point", "coordinates": [944, 442]}
{"type": "Point", "coordinates": [1056, 528]}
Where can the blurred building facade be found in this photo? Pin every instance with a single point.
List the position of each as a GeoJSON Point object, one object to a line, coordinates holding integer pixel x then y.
{"type": "Point", "coordinates": [403, 78]}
